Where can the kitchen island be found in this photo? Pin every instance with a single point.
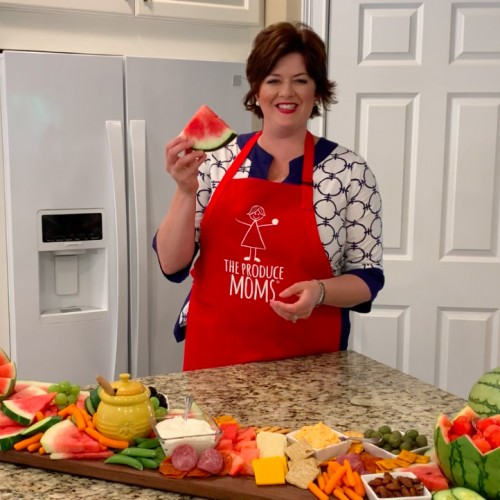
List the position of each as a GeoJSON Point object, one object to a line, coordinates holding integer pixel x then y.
{"type": "Point", "coordinates": [345, 390]}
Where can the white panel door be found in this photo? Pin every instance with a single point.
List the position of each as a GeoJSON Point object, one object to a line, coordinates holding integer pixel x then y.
{"type": "Point", "coordinates": [419, 98]}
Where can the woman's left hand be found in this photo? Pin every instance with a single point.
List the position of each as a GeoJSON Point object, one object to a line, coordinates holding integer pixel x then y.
{"type": "Point", "coordinates": [308, 294]}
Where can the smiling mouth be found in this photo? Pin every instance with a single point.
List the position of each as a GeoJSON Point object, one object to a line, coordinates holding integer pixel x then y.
{"type": "Point", "coordinates": [287, 106]}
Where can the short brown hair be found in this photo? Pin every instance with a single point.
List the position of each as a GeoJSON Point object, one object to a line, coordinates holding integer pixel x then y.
{"type": "Point", "coordinates": [281, 39]}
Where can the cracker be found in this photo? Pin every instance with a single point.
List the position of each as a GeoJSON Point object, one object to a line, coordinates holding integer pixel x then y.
{"type": "Point", "coordinates": [298, 450]}
{"type": "Point", "coordinates": [302, 471]}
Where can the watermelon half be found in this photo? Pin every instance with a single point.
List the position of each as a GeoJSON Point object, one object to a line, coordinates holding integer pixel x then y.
{"type": "Point", "coordinates": [207, 130]}
{"type": "Point", "coordinates": [484, 397]}
{"type": "Point", "coordinates": [8, 375]}
{"type": "Point", "coordinates": [463, 463]}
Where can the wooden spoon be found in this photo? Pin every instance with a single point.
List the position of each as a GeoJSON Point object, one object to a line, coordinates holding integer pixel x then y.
{"type": "Point", "coordinates": [106, 386]}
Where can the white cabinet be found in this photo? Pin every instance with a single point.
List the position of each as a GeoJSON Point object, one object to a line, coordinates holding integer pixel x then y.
{"type": "Point", "coordinates": [120, 7]}
{"type": "Point", "coordinates": [233, 12]}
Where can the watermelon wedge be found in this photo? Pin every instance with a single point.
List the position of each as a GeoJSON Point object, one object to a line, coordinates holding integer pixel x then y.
{"type": "Point", "coordinates": [23, 384]}
{"type": "Point", "coordinates": [8, 375]}
{"type": "Point", "coordinates": [207, 130]}
{"type": "Point", "coordinates": [9, 436]}
{"type": "Point", "coordinates": [24, 410]}
{"type": "Point", "coordinates": [64, 437]}
{"type": "Point", "coordinates": [28, 392]}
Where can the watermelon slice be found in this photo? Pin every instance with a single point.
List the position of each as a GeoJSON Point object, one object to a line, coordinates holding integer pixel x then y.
{"type": "Point", "coordinates": [84, 455]}
{"type": "Point", "coordinates": [23, 384]}
{"type": "Point", "coordinates": [8, 375]}
{"type": "Point", "coordinates": [207, 130]}
{"type": "Point", "coordinates": [28, 392]}
{"type": "Point", "coordinates": [64, 437]}
{"type": "Point", "coordinates": [9, 436]}
{"type": "Point", "coordinates": [24, 410]}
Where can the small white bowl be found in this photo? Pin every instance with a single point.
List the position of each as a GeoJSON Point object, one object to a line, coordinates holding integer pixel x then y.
{"type": "Point", "coordinates": [328, 452]}
{"type": "Point", "coordinates": [366, 478]}
{"type": "Point", "coordinates": [199, 442]}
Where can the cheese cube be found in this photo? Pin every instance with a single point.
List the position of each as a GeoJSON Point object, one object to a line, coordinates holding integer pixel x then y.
{"type": "Point", "coordinates": [271, 444]}
{"type": "Point", "coordinates": [269, 470]}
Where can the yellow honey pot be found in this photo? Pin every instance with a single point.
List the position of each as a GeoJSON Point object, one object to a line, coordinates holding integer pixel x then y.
{"type": "Point", "coordinates": [126, 415]}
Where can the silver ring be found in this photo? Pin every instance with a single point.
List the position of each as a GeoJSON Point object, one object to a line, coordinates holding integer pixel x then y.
{"type": "Point", "coordinates": [294, 318]}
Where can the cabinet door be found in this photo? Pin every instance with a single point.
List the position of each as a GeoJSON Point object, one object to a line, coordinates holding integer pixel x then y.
{"type": "Point", "coordinates": [236, 12]}
{"type": "Point", "coordinates": [123, 7]}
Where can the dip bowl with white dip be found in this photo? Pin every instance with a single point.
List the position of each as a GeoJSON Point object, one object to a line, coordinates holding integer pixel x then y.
{"type": "Point", "coordinates": [198, 430]}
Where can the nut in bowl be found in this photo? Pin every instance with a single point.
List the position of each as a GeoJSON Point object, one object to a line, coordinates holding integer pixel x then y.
{"type": "Point", "coordinates": [324, 440]}
{"type": "Point", "coordinates": [401, 485]}
{"type": "Point", "coordinates": [198, 430]}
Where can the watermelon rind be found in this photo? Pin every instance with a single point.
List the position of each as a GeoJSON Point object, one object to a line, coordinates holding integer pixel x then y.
{"type": "Point", "coordinates": [6, 387]}
{"type": "Point", "coordinates": [484, 397]}
{"type": "Point", "coordinates": [3, 357]}
{"type": "Point", "coordinates": [9, 436]}
{"type": "Point", "coordinates": [464, 465]}
{"type": "Point", "coordinates": [41, 426]}
{"type": "Point", "coordinates": [23, 410]}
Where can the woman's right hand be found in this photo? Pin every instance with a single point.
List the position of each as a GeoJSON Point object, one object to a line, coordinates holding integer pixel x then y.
{"type": "Point", "coordinates": [182, 163]}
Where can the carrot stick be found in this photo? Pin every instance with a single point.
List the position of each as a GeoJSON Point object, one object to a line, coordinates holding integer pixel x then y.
{"type": "Point", "coordinates": [349, 492]}
{"type": "Point", "coordinates": [20, 445]}
{"type": "Point", "coordinates": [321, 482]}
{"type": "Point", "coordinates": [105, 441]}
{"type": "Point", "coordinates": [348, 474]}
{"type": "Point", "coordinates": [34, 447]}
{"type": "Point", "coordinates": [66, 411]}
{"type": "Point", "coordinates": [41, 450]}
{"type": "Point", "coordinates": [335, 478]}
{"type": "Point", "coordinates": [314, 489]}
{"type": "Point", "coordinates": [39, 416]}
{"type": "Point", "coordinates": [87, 417]}
{"type": "Point", "coordinates": [339, 493]}
{"type": "Point", "coordinates": [332, 467]}
{"type": "Point", "coordinates": [359, 487]}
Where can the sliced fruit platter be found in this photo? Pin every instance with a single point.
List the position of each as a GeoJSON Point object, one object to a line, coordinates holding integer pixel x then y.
{"type": "Point", "coordinates": [53, 426]}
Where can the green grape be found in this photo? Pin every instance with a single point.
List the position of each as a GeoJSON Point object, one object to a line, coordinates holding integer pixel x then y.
{"type": "Point", "coordinates": [61, 399]}
{"type": "Point", "coordinates": [72, 399]}
{"type": "Point", "coordinates": [74, 389]}
{"type": "Point", "coordinates": [53, 388]}
{"type": "Point", "coordinates": [64, 386]}
{"type": "Point", "coordinates": [160, 412]}
{"type": "Point", "coordinates": [155, 402]}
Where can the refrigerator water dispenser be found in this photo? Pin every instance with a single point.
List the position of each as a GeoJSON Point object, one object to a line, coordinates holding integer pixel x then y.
{"type": "Point", "coordinates": [72, 265]}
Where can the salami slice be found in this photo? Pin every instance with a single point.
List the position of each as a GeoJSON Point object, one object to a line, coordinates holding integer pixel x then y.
{"type": "Point", "coordinates": [184, 457]}
{"type": "Point", "coordinates": [211, 460]}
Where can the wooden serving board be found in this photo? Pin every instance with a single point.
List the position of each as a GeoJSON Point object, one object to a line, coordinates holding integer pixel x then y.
{"type": "Point", "coordinates": [219, 488]}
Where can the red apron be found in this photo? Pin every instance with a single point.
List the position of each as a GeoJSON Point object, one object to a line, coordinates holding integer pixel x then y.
{"type": "Point", "coordinates": [257, 238]}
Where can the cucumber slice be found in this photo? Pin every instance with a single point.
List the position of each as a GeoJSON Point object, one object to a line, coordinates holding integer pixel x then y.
{"type": "Point", "coordinates": [41, 426]}
{"type": "Point", "coordinates": [89, 406]}
{"type": "Point", "coordinates": [457, 493]}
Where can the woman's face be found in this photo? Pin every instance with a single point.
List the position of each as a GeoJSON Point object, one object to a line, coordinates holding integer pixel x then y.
{"type": "Point", "coordinates": [287, 95]}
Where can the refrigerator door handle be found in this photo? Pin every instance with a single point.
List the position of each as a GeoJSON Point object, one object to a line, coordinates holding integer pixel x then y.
{"type": "Point", "coordinates": [139, 325]}
{"type": "Point", "coordinates": [117, 161]}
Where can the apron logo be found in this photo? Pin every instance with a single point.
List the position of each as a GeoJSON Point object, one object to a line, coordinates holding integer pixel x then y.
{"type": "Point", "coordinates": [248, 279]}
{"type": "Point", "coordinates": [253, 237]}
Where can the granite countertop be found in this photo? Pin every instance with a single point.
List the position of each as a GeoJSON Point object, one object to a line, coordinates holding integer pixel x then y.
{"type": "Point", "coordinates": [345, 390]}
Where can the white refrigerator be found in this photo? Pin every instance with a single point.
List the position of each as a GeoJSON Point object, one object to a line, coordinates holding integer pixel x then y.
{"type": "Point", "coordinates": [84, 190]}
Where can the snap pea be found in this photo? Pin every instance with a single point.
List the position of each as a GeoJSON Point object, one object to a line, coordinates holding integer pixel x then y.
{"type": "Point", "coordinates": [149, 443]}
{"type": "Point", "coordinates": [160, 455]}
{"type": "Point", "coordinates": [135, 451]}
{"type": "Point", "coordinates": [148, 463]}
{"type": "Point", "coordinates": [120, 459]}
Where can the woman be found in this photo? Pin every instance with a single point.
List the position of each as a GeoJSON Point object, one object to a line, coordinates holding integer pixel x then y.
{"type": "Point", "coordinates": [291, 238]}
